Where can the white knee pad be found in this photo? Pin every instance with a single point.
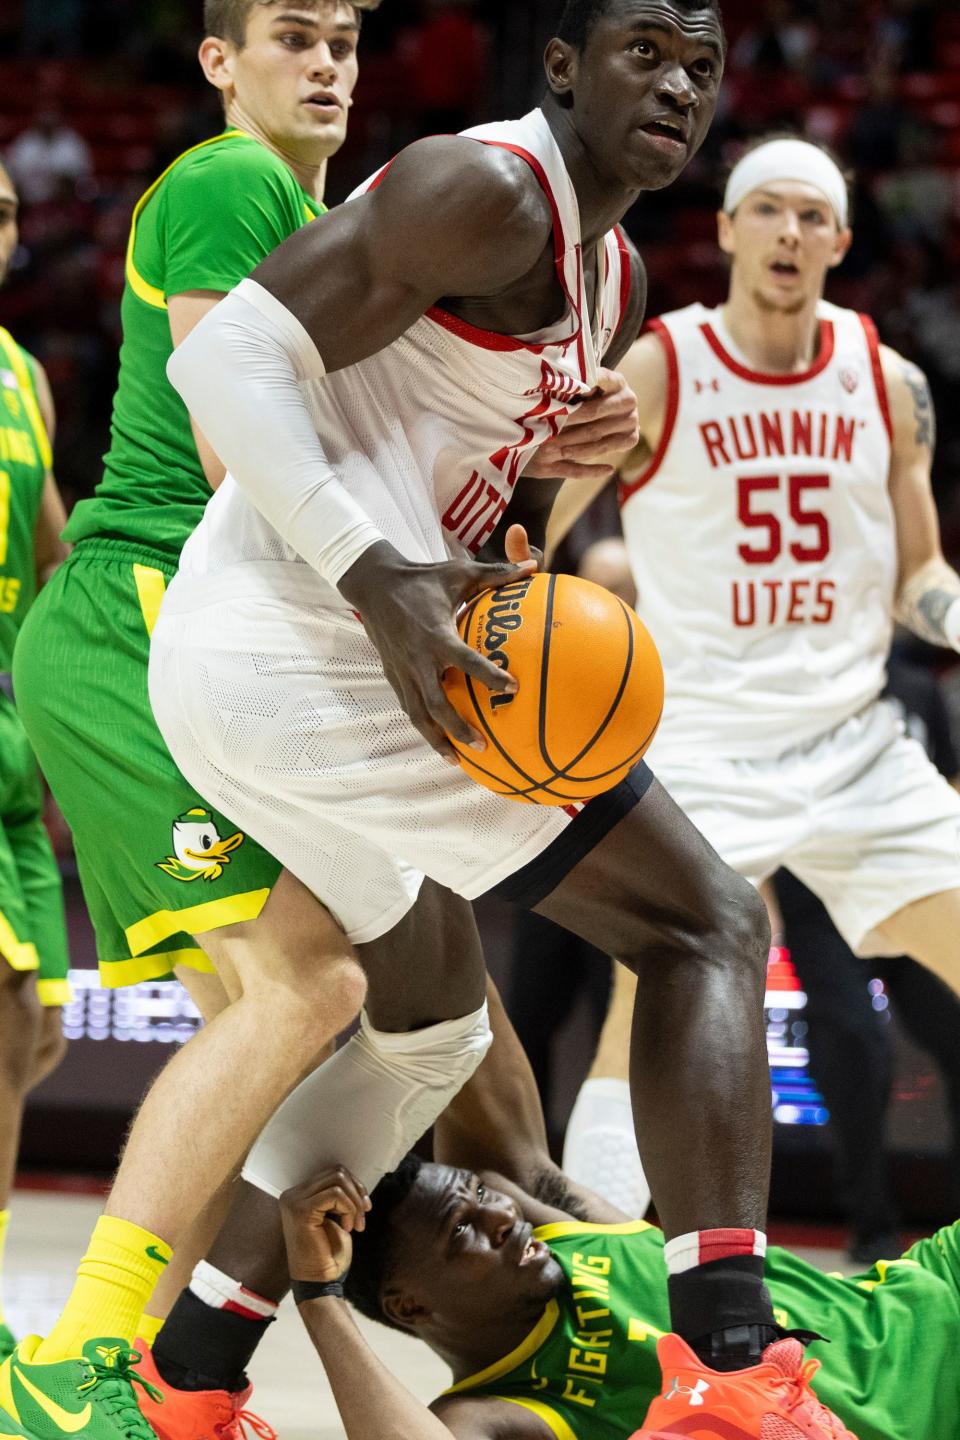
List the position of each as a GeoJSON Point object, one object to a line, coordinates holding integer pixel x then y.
{"type": "Point", "coordinates": [600, 1150]}
{"type": "Point", "coordinates": [369, 1103]}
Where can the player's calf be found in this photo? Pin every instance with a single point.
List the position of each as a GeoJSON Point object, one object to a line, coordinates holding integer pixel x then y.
{"type": "Point", "coordinates": [50, 1046]}
{"type": "Point", "coordinates": [21, 1018]}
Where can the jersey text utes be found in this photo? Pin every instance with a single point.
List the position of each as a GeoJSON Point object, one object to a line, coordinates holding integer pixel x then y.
{"type": "Point", "coordinates": [474, 513]}
{"type": "Point", "coordinates": [781, 513]}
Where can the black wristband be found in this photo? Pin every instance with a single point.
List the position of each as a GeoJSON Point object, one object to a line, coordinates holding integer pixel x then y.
{"type": "Point", "coordinates": [316, 1289]}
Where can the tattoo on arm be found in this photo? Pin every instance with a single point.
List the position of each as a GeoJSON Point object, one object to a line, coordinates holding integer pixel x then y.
{"type": "Point", "coordinates": [931, 612]}
{"type": "Point", "coordinates": [916, 383]}
{"type": "Point", "coordinates": [925, 601]}
{"type": "Point", "coordinates": [551, 1187]}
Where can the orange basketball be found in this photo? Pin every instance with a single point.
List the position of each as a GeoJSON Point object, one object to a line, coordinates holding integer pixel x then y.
{"type": "Point", "coordinates": [590, 697]}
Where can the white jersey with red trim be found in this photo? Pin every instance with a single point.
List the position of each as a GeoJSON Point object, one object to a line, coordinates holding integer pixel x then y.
{"type": "Point", "coordinates": [762, 538]}
{"type": "Point", "coordinates": [431, 434]}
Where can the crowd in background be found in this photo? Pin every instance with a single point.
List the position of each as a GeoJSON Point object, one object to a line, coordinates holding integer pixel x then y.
{"type": "Point", "coordinates": [92, 108]}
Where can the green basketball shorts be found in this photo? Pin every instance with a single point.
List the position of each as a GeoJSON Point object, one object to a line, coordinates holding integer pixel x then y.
{"type": "Point", "coordinates": [157, 865]}
{"type": "Point", "coordinates": [33, 932]}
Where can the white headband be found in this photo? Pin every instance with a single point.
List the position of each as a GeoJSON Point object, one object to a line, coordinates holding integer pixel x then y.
{"type": "Point", "coordinates": [788, 160]}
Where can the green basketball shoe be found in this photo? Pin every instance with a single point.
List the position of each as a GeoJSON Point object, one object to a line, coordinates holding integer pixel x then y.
{"type": "Point", "coordinates": [91, 1397]}
{"type": "Point", "coordinates": [8, 1342]}
{"type": "Point", "coordinates": [10, 1430]}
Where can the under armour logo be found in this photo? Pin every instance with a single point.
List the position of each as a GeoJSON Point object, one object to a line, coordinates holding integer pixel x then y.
{"type": "Point", "coordinates": [696, 1392]}
{"type": "Point", "coordinates": [702, 385]}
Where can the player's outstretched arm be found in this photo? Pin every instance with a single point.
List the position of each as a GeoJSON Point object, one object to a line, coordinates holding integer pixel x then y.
{"type": "Point", "coordinates": [928, 589]}
{"type": "Point", "coordinates": [450, 218]}
{"type": "Point", "coordinates": [373, 1404]}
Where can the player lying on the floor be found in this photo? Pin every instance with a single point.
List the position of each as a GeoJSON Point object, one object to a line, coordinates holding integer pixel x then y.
{"type": "Point", "coordinates": [548, 1307]}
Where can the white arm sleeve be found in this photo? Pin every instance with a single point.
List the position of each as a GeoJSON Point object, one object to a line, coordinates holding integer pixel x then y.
{"type": "Point", "coordinates": [239, 372]}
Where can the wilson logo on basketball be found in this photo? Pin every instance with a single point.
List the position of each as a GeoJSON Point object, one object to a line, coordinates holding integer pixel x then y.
{"type": "Point", "coordinates": [590, 690]}
{"type": "Point", "coordinates": [503, 619]}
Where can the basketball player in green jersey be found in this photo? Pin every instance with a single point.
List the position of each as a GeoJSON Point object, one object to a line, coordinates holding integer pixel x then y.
{"type": "Point", "coordinates": [33, 936]}
{"type": "Point", "coordinates": [158, 868]}
{"type": "Point", "coordinates": [550, 1306]}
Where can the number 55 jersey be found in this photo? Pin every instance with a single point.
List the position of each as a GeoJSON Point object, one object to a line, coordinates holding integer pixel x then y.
{"type": "Point", "coordinates": [761, 536]}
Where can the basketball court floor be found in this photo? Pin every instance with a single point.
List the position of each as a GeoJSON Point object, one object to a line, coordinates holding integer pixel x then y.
{"type": "Point", "coordinates": [49, 1232]}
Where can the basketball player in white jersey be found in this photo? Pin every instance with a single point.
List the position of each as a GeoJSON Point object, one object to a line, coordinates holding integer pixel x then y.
{"type": "Point", "coordinates": [376, 390]}
{"type": "Point", "coordinates": [779, 517]}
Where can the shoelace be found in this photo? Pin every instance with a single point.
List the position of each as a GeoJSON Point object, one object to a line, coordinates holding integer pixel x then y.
{"type": "Point", "coordinates": [111, 1385]}
{"type": "Point", "coordinates": [233, 1429]}
{"type": "Point", "coordinates": [803, 1395]}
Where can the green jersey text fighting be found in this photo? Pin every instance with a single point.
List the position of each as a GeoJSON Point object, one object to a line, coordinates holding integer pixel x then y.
{"type": "Point", "coordinates": [589, 1369]}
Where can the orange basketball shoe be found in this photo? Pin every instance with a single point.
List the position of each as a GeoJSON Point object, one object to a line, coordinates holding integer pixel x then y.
{"type": "Point", "coordinates": [197, 1414]}
{"type": "Point", "coordinates": [770, 1401]}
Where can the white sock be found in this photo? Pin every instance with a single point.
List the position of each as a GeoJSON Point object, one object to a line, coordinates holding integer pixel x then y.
{"type": "Point", "coordinates": [600, 1150]}
{"type": "Point", "coordinates": [222, 1292]}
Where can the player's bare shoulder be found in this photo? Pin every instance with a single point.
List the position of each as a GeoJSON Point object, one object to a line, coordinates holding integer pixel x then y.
{"type": "Point", "coordinates": [911, 406]}
{"type": "Point", "coordinates": [478, 201]}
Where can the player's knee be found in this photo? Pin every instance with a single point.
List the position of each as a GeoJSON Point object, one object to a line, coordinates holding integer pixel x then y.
{"type": "Point", "coordinates": [439, 1058]}
{"type": "Point", "coordinates": [737, 924]}
{"type": "Point", "coordinates": [329, 999]}
{"type": "Point", "coordinates": [372, 1100]}
{"type": "Point", "coordinates": [730, 930]}
{"type": "Point", "coordinates": [427, 1068]}
{"type": "Point", "coordinates": [445, 1054]}
{"type": "Point", "coordinates": [344, 988]}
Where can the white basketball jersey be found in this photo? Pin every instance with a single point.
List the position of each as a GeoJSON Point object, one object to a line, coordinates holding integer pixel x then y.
{"type": "Point", "coordinates": [761, 536]}
{"type": "Point", "coordinates": [431, 434]}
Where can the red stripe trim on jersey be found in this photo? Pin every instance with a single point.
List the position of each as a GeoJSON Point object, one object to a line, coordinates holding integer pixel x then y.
{"type": "Point", "coordinates": [485, 339]}
{"type": "Point", "coordinates": [542, 179]}
{"type": "Point", "coordinates": [492, 339]}
{"type": "Point", "coordinates": [598, 300]}
{"type": "Point", "coordinates": [626, 274]}
{"type": "Point", "coordinates": [626, 490]}
{"type": "Point", "coordinates": [379, 178]}
{"type": "Point", "coordinates": [879, 379]}
{"type": "Point", "coordinates": [828, 341]}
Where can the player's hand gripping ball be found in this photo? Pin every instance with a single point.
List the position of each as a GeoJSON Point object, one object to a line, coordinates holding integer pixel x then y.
{"type": "Point", "coordinates": [590, 697]}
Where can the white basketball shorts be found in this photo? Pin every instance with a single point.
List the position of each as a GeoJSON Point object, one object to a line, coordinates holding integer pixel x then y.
{"type": "Point", "coordinates": [280, 715]}
{"type": "Point", "coordinates": [860, 815]}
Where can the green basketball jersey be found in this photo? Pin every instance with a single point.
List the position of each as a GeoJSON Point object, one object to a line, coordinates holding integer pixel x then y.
{"type": "Point", "coordinates": [24, 462]}
{"type": "Point", "coordinates": [208, 221]}
{"type": "Point", "coordinates": [589, 1368]}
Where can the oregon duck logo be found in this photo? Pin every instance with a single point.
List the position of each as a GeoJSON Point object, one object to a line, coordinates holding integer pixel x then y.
{"type": "Point", "coordinates": [199, 850]}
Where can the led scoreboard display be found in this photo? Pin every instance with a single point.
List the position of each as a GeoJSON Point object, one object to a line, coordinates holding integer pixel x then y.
{"type": "Point", "coordinates": [796, 1100]}
{"type": "Point", "coordinates": [160, 1012]}
{"type": "Point", "coordinates": [77, 1118]}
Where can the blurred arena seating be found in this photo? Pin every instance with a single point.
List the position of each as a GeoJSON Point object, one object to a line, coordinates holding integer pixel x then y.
{"type": "Point", "coordinates": [880, 81]}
